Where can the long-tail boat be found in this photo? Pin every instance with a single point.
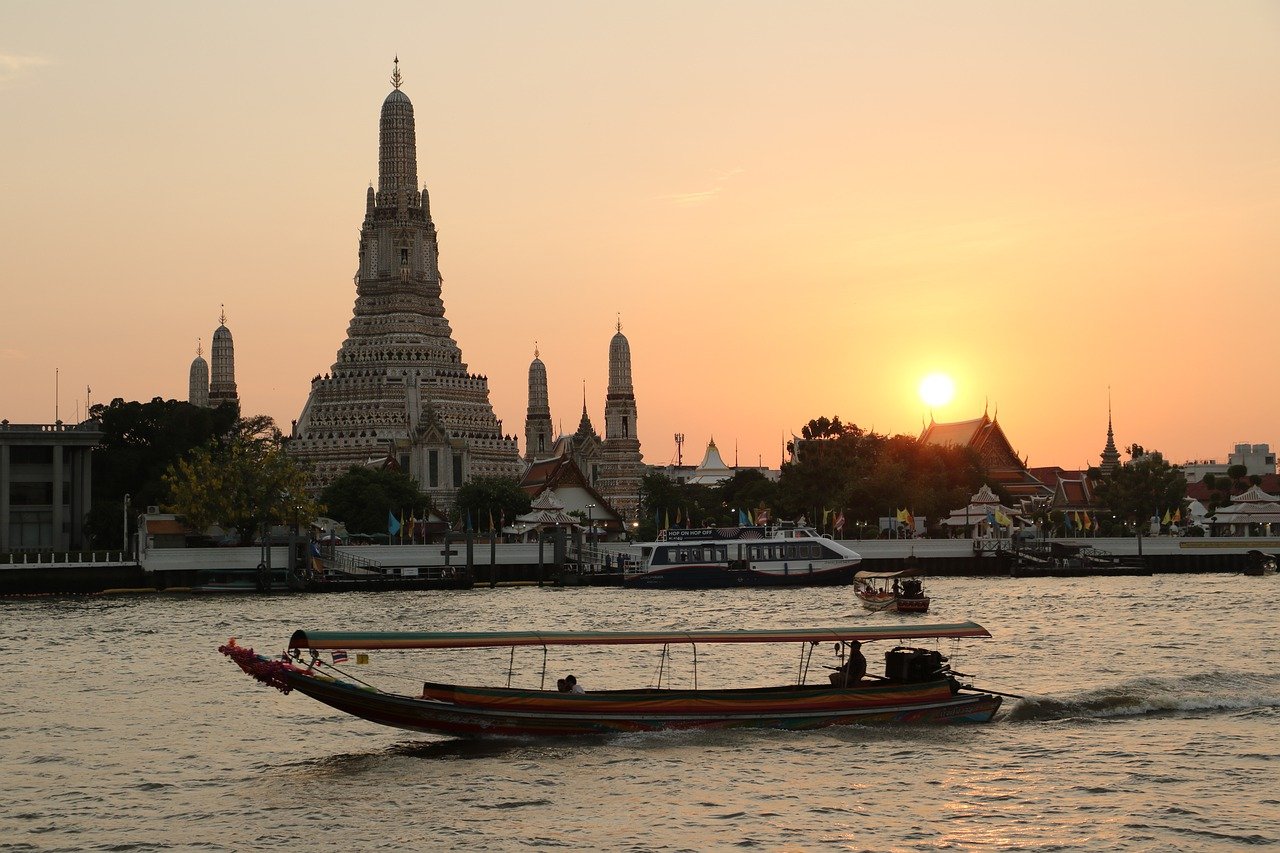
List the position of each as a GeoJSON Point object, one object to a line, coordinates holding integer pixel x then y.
{"type": "Point", "coordinates": [897, 592]}
{"type": "Point", "coordinates": [917, 686]}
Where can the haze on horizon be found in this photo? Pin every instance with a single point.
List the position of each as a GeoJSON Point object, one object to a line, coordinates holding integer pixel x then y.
{"type": "Point", "coordinates": [795, 210]}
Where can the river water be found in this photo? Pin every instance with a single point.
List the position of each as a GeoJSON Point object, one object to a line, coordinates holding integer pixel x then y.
{"type": "Point", "coordinates": [1151, 723]}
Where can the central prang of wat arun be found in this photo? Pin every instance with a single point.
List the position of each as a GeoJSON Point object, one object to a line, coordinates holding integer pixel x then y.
{"type": "Point", "coordinates": [399, 388]}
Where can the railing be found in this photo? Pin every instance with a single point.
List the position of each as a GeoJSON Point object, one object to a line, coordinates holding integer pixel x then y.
{"type": "Point", "coordinates": [351, 564]}
{"type": "Point", "coordinates": [66, 559]}
{"type": "Point", "coordinates": [593, 559]}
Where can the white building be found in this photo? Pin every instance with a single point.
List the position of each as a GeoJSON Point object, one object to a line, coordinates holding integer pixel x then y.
{"type": "Point", "coordinates": [1257, 458]}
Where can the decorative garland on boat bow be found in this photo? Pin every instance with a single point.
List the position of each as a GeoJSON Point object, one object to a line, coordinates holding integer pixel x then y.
{"type": "Point", "coordinates": [271, 672]}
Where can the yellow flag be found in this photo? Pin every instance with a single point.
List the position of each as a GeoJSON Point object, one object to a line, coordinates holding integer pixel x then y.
{"type": "Point", "coordinates": [1166, 518]}
{"type": "Point", "coordinates": [1177, 515]}
{"type": "Point", "coordinates": [1088, 522]}
{"type": "Point", "coordinates": [1002, 519]}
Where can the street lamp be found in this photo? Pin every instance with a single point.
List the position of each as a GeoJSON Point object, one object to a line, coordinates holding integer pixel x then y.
{"type": "Point", "coordinates": [590, 525]}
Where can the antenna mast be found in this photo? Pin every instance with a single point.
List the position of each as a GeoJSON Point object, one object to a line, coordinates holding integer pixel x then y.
{"type": "Point", "coordinates": [679, 449]}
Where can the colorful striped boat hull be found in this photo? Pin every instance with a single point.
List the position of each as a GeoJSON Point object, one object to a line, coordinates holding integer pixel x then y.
{"type": "Point", "coordinates": [484, 711]}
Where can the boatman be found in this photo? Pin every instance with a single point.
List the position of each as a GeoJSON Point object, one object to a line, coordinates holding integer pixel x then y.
{"type": "Point", "coordinates": [853, 669]}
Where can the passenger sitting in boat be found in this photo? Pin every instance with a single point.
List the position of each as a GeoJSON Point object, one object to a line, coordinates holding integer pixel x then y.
{"type": "Point", "coordinates": [574, 686]}
{"type": "Point", "coordinates": [562, 685]}
{"type": "Point", "coordinates": [852, 671]}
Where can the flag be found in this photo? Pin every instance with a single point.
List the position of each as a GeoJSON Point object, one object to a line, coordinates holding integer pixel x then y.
{"type": "Point", "coordinates": [1166, 518]}
{"type": "Point", "coordinates": [490, 519]}
{"type": "Point", "coordinates": [751, 517]}
{"type": "Point", "coordinates": [1066, 521]}
{"type": "Point", "coordinates": [362, 657]}
{"type": "Point", "coordinates": [678, 511]}
{"type": "Point", "coordinates": [742, 518]}
{"type": "Point", "coordinates": [826, 515]}
{"type": "Point", "coordinates": [393, 525]}
{"type": "Point", "coordinates": [468, 519]}
{"type": "Point", "coordinates": [991, 518]}
{"type": "Point", "coordinates": [1177, 515]}
{"type": "Point", "coordinates": [901, 515]}
{"type": "Point", "coordinates": [1002, 519]}
{"type": "Point", "coordinates": [840, 522]}
{"type": "Point", "coordinates": [762, 515]}
{"type": "Point", "coordinates": [339, 656]}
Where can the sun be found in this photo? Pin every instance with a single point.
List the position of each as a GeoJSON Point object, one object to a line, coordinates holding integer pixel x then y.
{"type": "Point", "coordinates": [937, 389]}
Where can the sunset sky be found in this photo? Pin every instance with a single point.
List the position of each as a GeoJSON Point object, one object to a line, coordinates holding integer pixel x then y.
{"type": "Point", "coordinates": [797, 209]}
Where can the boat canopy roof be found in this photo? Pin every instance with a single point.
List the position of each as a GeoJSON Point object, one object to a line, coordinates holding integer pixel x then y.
{"type": "Point", "coordinates": [488, 639]}
{"type": "Point", "coordinates": [902, 573]}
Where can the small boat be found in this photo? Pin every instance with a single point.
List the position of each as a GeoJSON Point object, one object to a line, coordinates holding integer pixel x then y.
{"type": "Point", "coordinates": [1259, 564]}
{"type": "Point", "coordinates": [917, 686]}
{"type": "Point", "coordinates": [718, 557]}
{"type": "Point", "coordinates": [898, 592]}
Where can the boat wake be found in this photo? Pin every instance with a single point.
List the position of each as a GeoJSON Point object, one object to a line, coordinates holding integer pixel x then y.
{"type": "Point", "coordinates": [1207, 691]}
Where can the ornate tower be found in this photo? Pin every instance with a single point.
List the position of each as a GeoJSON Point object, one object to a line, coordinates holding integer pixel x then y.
{"type": "Point", "coordinates": [399, 386]}
{"type": "Point", "coordinates": [538, 437]}
{"type": "Point", "coordinates": [622, 466]}
{"type": "Point", "coordinates": [198, 385]}
{"type": "Point", "coordinates": [1110, 456]}
{"type": "Point", "coordinates": [222, 387]}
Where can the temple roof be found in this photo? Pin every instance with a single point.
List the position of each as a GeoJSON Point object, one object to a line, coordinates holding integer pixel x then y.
{"type": "Point", "coordinates": [712, 469]}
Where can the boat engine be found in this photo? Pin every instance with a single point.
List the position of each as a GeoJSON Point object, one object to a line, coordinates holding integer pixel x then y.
{"type": "Point", "coordinates": [910, 665]}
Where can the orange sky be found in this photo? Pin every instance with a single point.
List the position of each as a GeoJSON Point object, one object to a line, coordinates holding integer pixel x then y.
{"type": "Point", "coordinates": [797, 210]}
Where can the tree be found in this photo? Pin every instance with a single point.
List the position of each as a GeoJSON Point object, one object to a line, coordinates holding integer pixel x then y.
{"type": "Point", "coordinates": [139, 443]}
{"type": "Point", "coordinates": [1143, 488]}
{"type": "Point", "coordinates": [363, 498]}
{"type": "Point", "coordinates": [498, 498]}
{"type": "Point", "coordinates": [243, 480]}
{"type": "Point", "coordinates": [747, 490]}
{"type": "Point", "coordinates": [866, 475]}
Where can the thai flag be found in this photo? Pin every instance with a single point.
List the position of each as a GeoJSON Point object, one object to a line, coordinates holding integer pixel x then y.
{"type": "Point", "coordinates": [339, 656]}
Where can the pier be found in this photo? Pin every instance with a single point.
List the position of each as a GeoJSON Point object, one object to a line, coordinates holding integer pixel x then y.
{"type": "Point", "coordinates": [465, 562]}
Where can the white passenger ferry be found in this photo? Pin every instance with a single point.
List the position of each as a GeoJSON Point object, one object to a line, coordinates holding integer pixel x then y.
{"type": "Point", "coordinates": [713, 557]}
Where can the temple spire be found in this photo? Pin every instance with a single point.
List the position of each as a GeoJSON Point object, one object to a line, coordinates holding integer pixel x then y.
{"type": "Point", "coordinates": [1110, 455]}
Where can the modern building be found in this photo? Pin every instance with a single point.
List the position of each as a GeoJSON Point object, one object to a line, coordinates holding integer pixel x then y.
{"type": "Point", "coordinates": [399, 384]}
{"type": "Point", "coordinates": [1256, 458]}
{"type": "Point", "coordinates": [46, 484]}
